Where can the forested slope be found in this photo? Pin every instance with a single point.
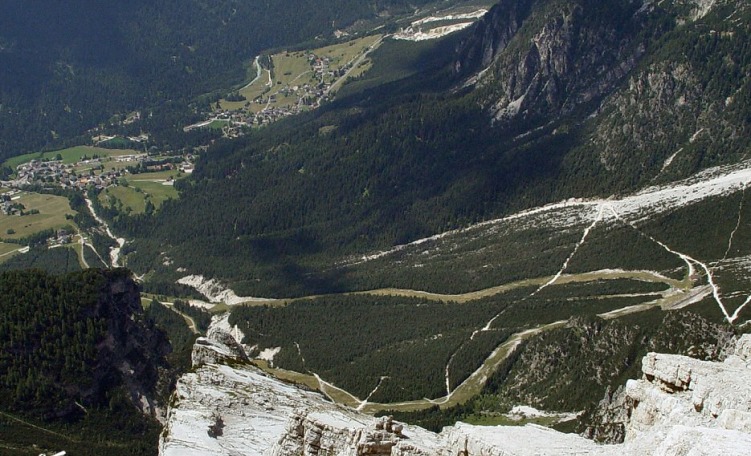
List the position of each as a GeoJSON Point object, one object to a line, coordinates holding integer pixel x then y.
{"type": "Point", "coordinates": [78, 358]}
{"type": "Point", "coordinates": [67, 67]}
{"type": "Point", "coordinates": [568, 101]}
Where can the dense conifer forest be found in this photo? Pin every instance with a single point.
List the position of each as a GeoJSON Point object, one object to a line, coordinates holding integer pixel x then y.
{"type": "Point", "coordinates": [75, 353]}
{"type": "Point", "coordinates": [388, 164]}
{"type": "Point", "coordinates": [67, 68]}
{"type": "Point", "coordinates": [418, 145]}
{"type": "Point", "coordinates": [579, 376]}
{"type": "Point", "coordinates": [356, 340]}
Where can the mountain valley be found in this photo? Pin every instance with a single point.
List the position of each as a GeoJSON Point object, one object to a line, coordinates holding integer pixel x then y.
{"type": "Point", "coordinates": [433, 227]}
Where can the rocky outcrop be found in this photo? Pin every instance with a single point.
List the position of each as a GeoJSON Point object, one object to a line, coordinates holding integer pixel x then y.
{"type": "Point", "coordinates": [678, 390]}
{"type": "Point", "coordinates": [681, 406]}
{"type": "Point", "coordinates": [679, 395]}
{"type": "Point", "coordinates": [313, 434]}
{"type": "Point", "coordinates": [538, 60]}
{"type": "Point", "coordinates": [257, 414]}
{"type": "Point", "coordinates": [132, 347]}
{"type": "Point", "coordinates": [492, 34]}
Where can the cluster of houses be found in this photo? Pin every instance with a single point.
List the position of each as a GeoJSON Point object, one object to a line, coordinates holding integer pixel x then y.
{"type": "Point", "coordinates": [8, 204]}
{"type": "Point", "coordinates": [307, 96]}
{"type": "Point", "coordinates": [59, 174]}
{"type": "Point", "coordinates": [61, 237]}
{"type": "Point", "coordinates": [39, 172]}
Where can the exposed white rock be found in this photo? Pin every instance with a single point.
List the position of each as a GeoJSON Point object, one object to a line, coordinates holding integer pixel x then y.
{"type": "Point", "coordinates": [215, 291]}
{"type": "Point", "coordinates": [702, 8]}
{"type": "Point", "coordinates": [268, 354]}
{"type": "Point", "coordinates": [520, 412]}
{"type": "Point", "coordinates": [411, 34]}
{"type": "Point", "coordinates": [682, 406]}
{"type": "Point", "coordinates": [678, 390]}
{"type": "Point", "coordinates": [253, 414]}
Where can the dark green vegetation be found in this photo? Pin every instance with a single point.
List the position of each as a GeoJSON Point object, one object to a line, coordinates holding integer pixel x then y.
{"type": "Point", "coordinates": [201, 317]}
{"type": "Point", "coordinates": [67, 68]}
{"type": "Point", "coordinates": [569, 369]}
{"type": "Point", "coordinates": [63, 343]}
{"type": "Point", "coordinates": [172, 324]}
{"type": "Point", "coordinates": [59, 260]}
{"type": "Point", "coordinates": [397, 159]}
{"type": "Point", "coordinates": [414, 147]}
{"type": "Point", "coordinates": [92, 259]}
{"type": "Point", "coordinates": [355, 340]}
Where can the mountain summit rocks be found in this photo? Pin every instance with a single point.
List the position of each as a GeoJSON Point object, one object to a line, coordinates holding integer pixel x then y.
{"type": "Point", "coordinates": [680, 406]}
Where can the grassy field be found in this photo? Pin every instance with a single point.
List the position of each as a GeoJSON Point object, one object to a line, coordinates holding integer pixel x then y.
{"type": "Point", "coordinates": [218, 124]}
{"type": "Point", "coordinates": [52, 211]}
{"type": "Point", "coordinates": [109, 164]}
{"type": "Point", "coordinates": [127, 196]}
{"type": "Point", "coordinates": [137, 193]}
{"type": "Point", "coordinates": [155, 176]}
{"type": "Point", "coordinates": [294, 69]}
{"type": "Point", "coordinates": [157, 191]}
{"type": "Point", "coordinates": [70, 155]}
{"type": "Point", "coordinates": [7, 250]}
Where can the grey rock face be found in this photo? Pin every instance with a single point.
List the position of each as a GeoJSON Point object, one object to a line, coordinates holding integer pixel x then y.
{"type": "Point", "coordinates": [681, 406]}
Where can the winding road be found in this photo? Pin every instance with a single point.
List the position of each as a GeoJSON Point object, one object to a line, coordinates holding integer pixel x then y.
{"type": "Point", "coordinates": [678, 295]}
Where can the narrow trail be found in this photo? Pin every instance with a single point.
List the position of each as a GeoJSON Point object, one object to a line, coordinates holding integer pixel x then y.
{"type": "Point", "coordinates": [302, 358]}
{"type": "Point", "coordinates": [738, 310]}
{"type": "Point", "coordinates": [678, 295]}
{"type": "Point", "coordinates": [191, 322]}
{"type": "Point", "coordinates": [737, 223]}
{"type": "Point", "coordinates": [691, 262]}
{"type": "Point", "coordinates": [85, 244]}
{"type": "Point", "coordinates": [354, 63]}
{"type": "Point", "coordinates": [474, 383]}
{"type": "Point", "coordinates": [447, 370]}
{"type": "Point", "coordinates": [259, 71]}
{"type": "Point", "coordinates": [82, 256]}
{"type": "Point", "coordinates": [686, 259]}
{"type": "Point", "coordinates": [26, 423]}
{"type": "Point", "coordinates": [11, 252]}
{"type": "Point", "coordinates": [365, 401]}
{"type": "Point", "coordinates": [299, 76]}
{"type": "Point", "coordinates": [573, 252]}
{"type": "Point", "coordinates": [488, 326]}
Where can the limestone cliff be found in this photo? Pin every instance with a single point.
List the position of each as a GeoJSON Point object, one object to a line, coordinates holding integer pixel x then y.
{"type": "Point", "coordinates": [534, 60]}
{"type": "Point", "coordinates": [680, 406]}
{"type": "Point", "coordinates": [657, 90]}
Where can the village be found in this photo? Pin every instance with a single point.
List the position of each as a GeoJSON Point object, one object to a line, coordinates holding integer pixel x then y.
{"type": "Point", "coordinates": [56, 173]}
{"type": "Point", "coordinates": [307, 87]}
{"type": "Point", "coordinates": [92, 172]}
{"type": "Point", "coordinates": [31, 211]}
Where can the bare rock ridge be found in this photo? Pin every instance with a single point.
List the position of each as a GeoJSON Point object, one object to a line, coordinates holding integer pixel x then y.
{"type": "Point", "coordinates": [680, 406]}
{"type": "Point", "coordinates": [533, 59]}
{"type": "Point", "coordinates": [681, 391]}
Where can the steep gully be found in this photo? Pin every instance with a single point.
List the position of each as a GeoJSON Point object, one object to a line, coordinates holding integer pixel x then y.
{"type": "Point", "coordinates": [115, 252]}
